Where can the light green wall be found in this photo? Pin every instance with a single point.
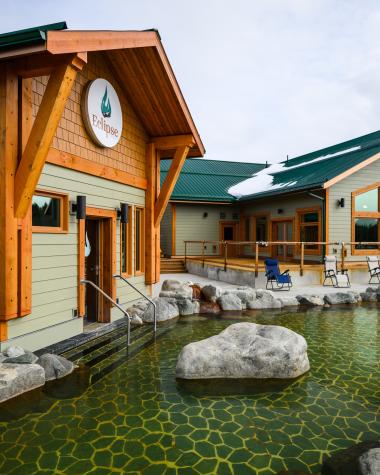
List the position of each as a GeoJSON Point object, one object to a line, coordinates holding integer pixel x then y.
{"type": "Point", "coordinates": [192, 226]}
{"type": "Point", "coordinates": [54, 266]}
{"type": "Point", "coordinates": [340, 218]}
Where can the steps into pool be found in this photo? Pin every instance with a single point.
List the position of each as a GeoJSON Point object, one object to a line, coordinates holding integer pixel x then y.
{"type": "Point", "coordinates": [107, 352]}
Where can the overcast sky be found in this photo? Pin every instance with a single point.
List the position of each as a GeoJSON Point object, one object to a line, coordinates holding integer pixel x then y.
{"type": "Point", "coordinates": [262, 78]}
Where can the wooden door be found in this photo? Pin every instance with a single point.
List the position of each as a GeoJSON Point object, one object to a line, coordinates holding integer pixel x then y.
{"type": "Point", "coordinates": [228, 232]}
{"type": "Point", "coordinates": [282, 230]}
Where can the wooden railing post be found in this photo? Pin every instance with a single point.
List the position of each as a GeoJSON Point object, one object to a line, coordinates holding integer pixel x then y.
{"type": "Point", "coordinates": [185, 253]}
{"type": "Point", "coordinates": [225, 255]}
{"type": "Point", "coordinates": [342, 254]}
{"type": "Point", "coordinates": [256, 259]}
{"type": "Point", "coordinates": [203, 254]}
{"type": "Point", "coordinates": [302, 258]}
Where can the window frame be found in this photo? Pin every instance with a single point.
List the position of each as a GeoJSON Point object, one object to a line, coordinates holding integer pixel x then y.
{"type": "Point", "coordinates": [254, 217]}
{"type": "Point", "coordinates": [364, 214]}
{"type": "Point", "coordinates": [63, 227]}
{"type": "Point", "coordinates": [141, 243]}
{"type": "Point", "coordinates": [129, 247]}
{"type": "Point", "coordinates": [299, 213]}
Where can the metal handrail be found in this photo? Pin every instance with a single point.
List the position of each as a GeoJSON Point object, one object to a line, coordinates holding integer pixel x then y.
{"type": "Point", "coordinates": [126, 314]}
{"type": "Point", "coordinates": [118, 276]}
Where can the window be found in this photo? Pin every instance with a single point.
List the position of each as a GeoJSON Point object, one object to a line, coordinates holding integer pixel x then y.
{"type": "Point", "coordinates": [366, 220]}
{"type": "Point", "coordinates": [126, 245]}
{"type": "Point", "coordinates": [261, 228]}
{"type": "Point", "coordinates": [139, 240]}
{"type": "Point", "coordinates": [309, 228]}
{"type": "Point", "coordinates": [49, 212]}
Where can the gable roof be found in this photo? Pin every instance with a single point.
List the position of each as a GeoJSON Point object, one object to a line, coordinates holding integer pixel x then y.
{"type": "Point", "coordinates": [137, 60]}
{"type": "Point", "coordinates": [208, 180]}
{"type": "Point", "coordinates": [315, 169]}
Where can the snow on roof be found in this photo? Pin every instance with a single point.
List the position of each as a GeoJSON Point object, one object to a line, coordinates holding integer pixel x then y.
{"type": "Point", "coordinates": [263, 180]}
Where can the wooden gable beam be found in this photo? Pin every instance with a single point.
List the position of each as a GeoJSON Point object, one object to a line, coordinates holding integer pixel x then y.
{"type": "Point", "coordinates": [45, 125]}
{"type": "Point", "coordinates": [169, 183]}
{"type": "Point", "coordinates": [44, 64]}
{"type": "Point", "coordinates": [173, 141]}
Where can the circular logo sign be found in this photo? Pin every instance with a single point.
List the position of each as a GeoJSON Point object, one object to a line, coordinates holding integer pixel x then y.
{"type": "Point", "coordinates": [102, 113]}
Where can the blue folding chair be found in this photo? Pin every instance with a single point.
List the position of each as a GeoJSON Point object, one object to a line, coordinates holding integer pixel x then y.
{"type": "Point", "coordinates": [275, 279]}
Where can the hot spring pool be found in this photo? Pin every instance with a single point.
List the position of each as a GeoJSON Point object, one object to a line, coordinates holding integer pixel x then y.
{"type": "Point", "coordinates": [137, 419]}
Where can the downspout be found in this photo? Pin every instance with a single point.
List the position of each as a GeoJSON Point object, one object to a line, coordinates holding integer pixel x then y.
{"type": "Point", "coordinates": [323, 221]}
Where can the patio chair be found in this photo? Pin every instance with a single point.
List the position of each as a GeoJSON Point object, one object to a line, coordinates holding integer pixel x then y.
{"type": "Point", "coordinates": [373, 269]}
{"type": "Point", "coordinates": [337, 278]}
{"type": "Point", "coordinates": [276, 279]}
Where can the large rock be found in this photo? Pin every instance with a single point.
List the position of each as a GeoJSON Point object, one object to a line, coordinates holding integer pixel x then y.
{"type": "Point", "coordinates": [27, 358]}
{"type": "Point", "coordinates": [209, 308]}
{"type": "Point", "coordinates": [245, 350]}
{"type": "Point", "coordinates": [368, 296]}
{"type": "Point", "coordinates": [230, 302]}
{"type": "Point", "coordinates": [347, 461]}
{"type": "Point", "coordinates": [197, 291]}
{"type": "Point", "coordinates": [176, 289]}
{"type": "Point", "coordinates": [342, 298]}
{"type": "Point", "coordinates": [136, 320]}
{"type": "Point", "coordinates": [14, 351]}
{"type": "Point", "coordinates": [16, 379]}
{"type": "Point", "coordinates": [245, 294]}
{"type": "Point", "coordinates": [211, 293]}
{"type": "Point", "coordinates": [265, 299]}
{"type": "Point", "coordinates": [185, 307]}
{"type": "Point", "coordinates": [166, 309]}
{"type": "Point", "coordinates": [55, 366]}
{"type": "Point", "coordinates": [288, 301]}
{"type": "Point", "coordinates": [310, 300]}
{"type": "Point", "coordinates": [369, 462]}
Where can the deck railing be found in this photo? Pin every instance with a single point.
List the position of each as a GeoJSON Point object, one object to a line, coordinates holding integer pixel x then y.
{"type": "Point", "coordinates": [299, 249]}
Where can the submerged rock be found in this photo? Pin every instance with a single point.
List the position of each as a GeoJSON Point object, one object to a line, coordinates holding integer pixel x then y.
{"type": "Point", "coordinates": [310, 300]}
{"type": "Point", "coordinates": [230, 301]}
{"type": "Point", "coordinates": [245, 350]}
{"type": "Point", "coordinates": [369, 462]}
{"type": "Point", "coordinates": [55, 366]}
{"type": "Point", "coordinates": [16, 379]}
{"type": "Point", "coordinates": [166, 309]}
{"type": "Point", "coordinates": [136, 320]}
{"type": "Point", "coordinates": [348, 461]}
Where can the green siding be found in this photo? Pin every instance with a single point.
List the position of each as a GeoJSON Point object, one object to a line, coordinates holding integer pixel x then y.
{"type": "Point", "coordinates": [54, 261]}
{"type": "Point", "coordinates": [340, 218]}
{"type": "Point", "coordinates": [166, 231]}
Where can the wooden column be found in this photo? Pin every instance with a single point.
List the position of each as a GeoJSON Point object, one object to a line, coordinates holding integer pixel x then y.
{"type": "Point", "coordinates": [158, 225]}
{"type": "Point", "coordinates": [150, 199]}
{"type": "Point", "coordinates": [8, 165]}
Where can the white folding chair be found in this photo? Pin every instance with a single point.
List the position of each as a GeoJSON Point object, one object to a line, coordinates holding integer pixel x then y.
{"type": "Point", "coordinates": [373, 269]}
{"type": "Point", "coordinates": [333, 275]}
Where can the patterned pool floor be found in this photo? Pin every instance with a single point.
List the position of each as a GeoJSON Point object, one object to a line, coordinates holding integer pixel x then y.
{"type": "Point", "coordinates": [139, 420]}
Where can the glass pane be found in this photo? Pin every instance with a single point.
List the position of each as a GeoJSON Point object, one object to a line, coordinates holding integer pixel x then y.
{"type": "Point", "coordinates": [138, 240]}
{"type": "Point", "coordinates": [228, 233]}
{"type": "Point", "coordinates": [309, 218]}
{"type": "Point", "coordinates": [261, 229]}
{"type": "Point", "coordinates": [46, 211]}
{"type": "Point", "coordinates": [309, 234]}
{"type": "Point", "coordinates": [367, 201]}
{"type": "Point", "coordinates": [124, 248]}
{"type": "Point", "coordinates": [366, 230]}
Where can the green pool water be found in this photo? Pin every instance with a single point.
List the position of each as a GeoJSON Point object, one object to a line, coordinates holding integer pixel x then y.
{"type": "Point", "coordinates": [137, 419]}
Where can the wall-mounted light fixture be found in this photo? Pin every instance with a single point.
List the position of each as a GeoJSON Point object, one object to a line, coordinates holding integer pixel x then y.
{"type": "Point", "coordinates": [205, 214]}
{"type": "Point", "coordinates": [122, 213]}
{"type": "Point", "coordinates": [280, 211]}
{"type": "Point", "coordinates": [78, 207]}
{"type": "Point", "coordinates": [340, 203]}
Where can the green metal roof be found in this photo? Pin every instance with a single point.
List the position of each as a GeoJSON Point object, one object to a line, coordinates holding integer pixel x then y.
{"type": "Point", "coordinates": [313, 170]}
{"type": "Point", "coordinates": [208, 180]}
{"type": "Point", "coordinates": [29, 36]}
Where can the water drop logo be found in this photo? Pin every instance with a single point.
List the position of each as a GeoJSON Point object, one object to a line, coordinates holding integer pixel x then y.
{"type": "Point", "coordinates": [106, 105]}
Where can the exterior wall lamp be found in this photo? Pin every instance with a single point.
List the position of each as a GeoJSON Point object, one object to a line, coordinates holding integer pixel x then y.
{"type": "Point", "coordinates": [122, 213]}
{"type": "Point", "coordinates": [340, 203]}
{"type": "Point", "coordinates": [205, 215]}
{"type": "Point", "coordinates": [78, 207]}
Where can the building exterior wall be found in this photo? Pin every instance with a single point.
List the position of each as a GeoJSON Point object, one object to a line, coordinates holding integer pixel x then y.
{"type": "Point", "coordinates": [166, 231]}
{"type": "Point", "coordinates": [55, 261]}
{"type": "Point", "coordinates": [71, 137]}
{"type": "Point", "coordinates": [340, 218]}
{"type": "Point", "coordinates": [191, 225]}
{"type": "Point", "coordinates": [289, 206]}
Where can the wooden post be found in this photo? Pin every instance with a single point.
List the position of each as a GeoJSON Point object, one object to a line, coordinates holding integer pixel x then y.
{"type": "Point", "coordinates": [342, 254]}
{"type": "Point", "coordinates": [150, 199]}
{"type": "Point", "coordinates": [185, 253]}
{"type": "Point", "coordinates": [8, 166]}
{"type": "Point", "coordinates": [302, 258]}
{"type": "Point", "coordinates": [256, 259]}
{"type": "Point", "coordinates": [225, 255]}
{"type": "Point", "coordinates": [203, 254]}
